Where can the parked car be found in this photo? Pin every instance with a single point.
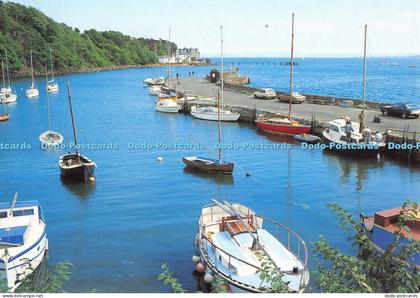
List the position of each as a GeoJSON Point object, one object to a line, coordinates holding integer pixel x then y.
{"type": "Point", "coordinates": [296, 98]}
{"type": "Point", "coordinates": [265, 93]}
{"type": "Point", "coordinates": [402, 110]}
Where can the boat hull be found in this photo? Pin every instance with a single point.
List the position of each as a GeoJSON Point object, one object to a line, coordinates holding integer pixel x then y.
{"type": "Point", "coordinates": [212, 167]}
{"type": "Point", "coordinates": [52, 88]}
{"type": "Point", "coordinates": [4, 117]}
{"type": "Point", "coordinates": [359, 152]}
{"type": "Point", "coordinates": [8, 98]}
{"type": "Point", "coordinates": [78, 171]}
{"type": "Point", "coordinates": [32, 92]}
{"type": "Point", "coordinates": [284, 128]}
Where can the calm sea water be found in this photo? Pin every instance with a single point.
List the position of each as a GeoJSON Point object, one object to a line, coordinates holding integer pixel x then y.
{"type": "Point", "coordinates": [141, 212]}
{"type": "Point", "coordinates": [388, 80]}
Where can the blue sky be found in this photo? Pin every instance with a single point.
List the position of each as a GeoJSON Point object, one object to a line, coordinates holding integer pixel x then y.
{"type": "Point", "coordinates": [254, 28]}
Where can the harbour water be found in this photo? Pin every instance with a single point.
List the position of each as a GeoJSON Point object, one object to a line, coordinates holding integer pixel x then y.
{"type": "Point", "coordinates": [142, 212]}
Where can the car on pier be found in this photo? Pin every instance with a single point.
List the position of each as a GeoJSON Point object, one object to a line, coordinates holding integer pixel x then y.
{"type": "Point", "coordinates": [401, 110]}
{"type": "Point", "coordinates": [265, 93]}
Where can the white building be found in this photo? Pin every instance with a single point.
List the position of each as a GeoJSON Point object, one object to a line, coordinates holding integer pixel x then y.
{"type": "Point", "coordinates": [185, 55]}
{"type": "Point", "coordinates": [164, 60]}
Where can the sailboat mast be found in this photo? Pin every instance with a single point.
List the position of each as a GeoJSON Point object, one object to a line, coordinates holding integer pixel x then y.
{"type": "Point", "coordinates": [7, 69]}
{"type": "Point", "coordinates": [219, 128]}
{"type": "Point", "coordinates": [222, 65]}
{"type": "Point", "coordinates": [2, 71]}
{"type": "Point", "coordinates": [48, 99]}
{"type": "Point", "coordinates": [364, 70]}
{"type": "Point", "coordinates": [72, 117]}
{"type": "Point", "coordinates": [52, 66]}
{"type": "Point", "coordinates": [291, 66]}
{"type": "Point", "coordinates": [32, 71]}
{"type": "Point", "coordinates": [169, 61]}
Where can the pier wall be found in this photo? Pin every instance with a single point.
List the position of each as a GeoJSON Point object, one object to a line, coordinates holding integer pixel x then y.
{"type": "Point", "coordinates": [406, 141]}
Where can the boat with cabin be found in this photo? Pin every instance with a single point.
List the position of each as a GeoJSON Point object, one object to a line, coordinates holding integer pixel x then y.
{"type": "Point", "coordinates": [366, 144]}
{"type": "Point", "coordinates": [233, 241]}
{"type": "Point", "coordinates": [380, 229]}
{"type": "Point", "coordinates": [167, 106]}
{"type": "Point", "coordinates": [23, 240]}
{"type": "Point", "coordinates": [52, 85]}
{"type": "Point", "coordinates": [155, 90]}
{"type": "Point", "coordinates": [75, 166]}
{"type": "Point", "coordinates": [32, 92]}
{"type": "Point", "coordinates": [154, 81]}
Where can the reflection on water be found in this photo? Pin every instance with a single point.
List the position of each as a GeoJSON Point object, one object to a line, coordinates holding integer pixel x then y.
{"type": "Point", "coordinates": [278, 138]}
{"type": "Point", "coordinates": [218, 178]}
{"type": "Point", "coordinates": [80, 189]}
{"type": "Point", "coordinates": [354, 164]}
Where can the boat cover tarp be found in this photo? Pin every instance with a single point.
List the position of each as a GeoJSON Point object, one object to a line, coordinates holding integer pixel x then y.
{"type": "Point", "coordinates": [13, 235]}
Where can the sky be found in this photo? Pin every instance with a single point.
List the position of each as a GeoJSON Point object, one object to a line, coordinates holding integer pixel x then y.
{"type": "Point", "coordinates": [252, 28]}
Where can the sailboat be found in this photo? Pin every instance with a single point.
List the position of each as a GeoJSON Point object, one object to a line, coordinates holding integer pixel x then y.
{"type": "Point", "coordinates": [167, 93]}
{"type": "Point", "coordinates": [5, 116]}
{"type": "Point", "coordinates": [233, 243]}
{"type": "Point", "coordinates": [284, 124]}
{"type": "Point", "coordinates": [23, 240]}
{"type": "Point", "coordinates": [32, 91]}
{"type": "Point", "coordinates": [208, 164]}
{"type": "Point", "coordinates": [219, 113]}
{"type": "Point", "coordinates": [74, 165]}
{"type": "Point", "coordinates": [50, 139]}
{"type": "Point", "coordinates": [360, 143]}
{"type": "Point", "coordinates": [52, 85]}
{"type": "Point", "coordinates": [7, 95]}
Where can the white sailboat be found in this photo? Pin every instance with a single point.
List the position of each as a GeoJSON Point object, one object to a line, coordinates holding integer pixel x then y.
{"type": "Point", "coordinates": [167, 93]}
{"type": "Point", "coordinates": [7, 94]}
{"type": "Point", "coordinates": [214, 113]}
{"type": "Point", "coordinates": [234, 242]}
{"type": "Point", "coordinates": [155, 90]}
{"type": "Point", "coordinates": [32, 91]}
{"type": "Point", "coordinates": [52, 85]}
{"type": "Point", "coordinates": [167, 106]}
{"type": "Point", "coordinates": [50, 139]}
{"type": "Point", "coordinates": [23, 240]}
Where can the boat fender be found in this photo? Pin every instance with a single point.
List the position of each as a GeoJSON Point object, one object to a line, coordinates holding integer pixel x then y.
{"type": "Point", "coordinates": [196, 259]}
{"type": "Point", "coordinates": [200, 267]}
{"type": "Point", "coordinates": [208, 278]}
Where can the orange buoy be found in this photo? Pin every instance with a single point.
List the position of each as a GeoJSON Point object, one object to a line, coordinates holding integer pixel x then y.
{"type": "Point", "coordinates": [200, 268]}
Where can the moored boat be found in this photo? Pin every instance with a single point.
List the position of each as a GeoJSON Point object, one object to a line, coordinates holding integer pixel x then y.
{"type": "Point", "coordinates": [212, 114]}
{"type": "Point", "coordinates": [233, 242]}
{"type": "Point", "coordinates": [285, 124]}
{"type": "Point", "coordinates": [4, 117]}
{"type": "Point", "coordinates": [23, 240]}
{"type": "Point", "coordinates": [52, 85]}
{"type": "Point", "coordinates": [381, 229]}
{"type": "Point", "coordinates": [362, 144]}
{"type": "Point", "coordinates": [32, 92]}
{"type": "Point", "coordinates": [50, 139]}
{"type": "Point", "coordinates": [281, 124]}
{"type": "Point", "coordinates": [167, 106]}
{"type": "Point", "coordinates": [153, 81]}
{"type": "Point", "coordinates": [7, 94]}
{"type": "Point", "coordinates": [205, 164]}
{"type": "Point", "coordinates": [307, 138]}
{"type": "Point", "coordinates": [155, 90]}
{"type": "Point", "coordinates": [75, 166]}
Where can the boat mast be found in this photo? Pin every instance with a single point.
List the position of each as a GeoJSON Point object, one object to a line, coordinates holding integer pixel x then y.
{"type": "Point", "coordinates": [72, 118]}
{"type": "Point", "coordinates": [291, 67]}
{"type": "Point", "coordinates": [222, 66]}
{"type": "Point", "coordinates": [32, 71]}
{"type": "Point", "coordinates": [7, 70]}
{"type": "Point", "coordinates": [218, 99]}
{"type": "Point", "coordinates": [48, 100]}
{"type": "Point", "coordinates": [169, 61]}
{"type": "Point", "coordinates": [364, 70]}
{"type": "Point", "coordinates": [2, 71]}
{"type": "Point", "coordinates": [52, 66]}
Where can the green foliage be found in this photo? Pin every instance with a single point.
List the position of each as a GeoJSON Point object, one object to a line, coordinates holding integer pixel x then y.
{"type": "Point", "coordinates": [270, 275]}
{"type": "Point", "coordinates": [167, 277]}
{"type": "Point", "coordinates": [25, 28]}
{"type": "Point", "coordinates": [371, 271]}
